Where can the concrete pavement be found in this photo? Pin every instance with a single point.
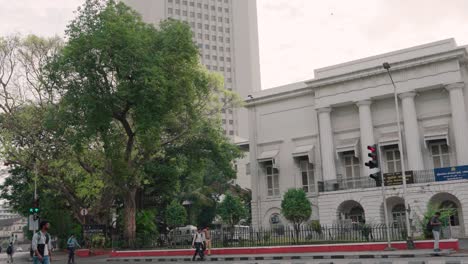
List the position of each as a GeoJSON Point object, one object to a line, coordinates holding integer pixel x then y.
{"type": "Point", "coordinates": [293, 257]}
{"type": "Point", "coordinates": [61, 259]}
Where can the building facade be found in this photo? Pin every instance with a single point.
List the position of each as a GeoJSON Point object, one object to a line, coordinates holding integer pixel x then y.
{"type": "Point", "coordinates": [7, 213]}
{"type": "Point", "coordinates": [12, 229]}
{"type": "Point", "coordinates": [314, 135]}
{"type": "Point", "coordinates": [226, 33]}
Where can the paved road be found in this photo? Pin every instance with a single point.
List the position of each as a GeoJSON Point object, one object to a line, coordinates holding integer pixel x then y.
{"type": "Point", "coordinates": [22, 258]}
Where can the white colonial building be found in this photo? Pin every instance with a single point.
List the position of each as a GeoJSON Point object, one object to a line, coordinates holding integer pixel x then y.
{"type": "Point", "coordinates": [313, 135]}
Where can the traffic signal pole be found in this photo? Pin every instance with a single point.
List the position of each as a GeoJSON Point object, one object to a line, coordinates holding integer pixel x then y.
{"type": "Point", "coordinates": [409, 240]}
{"type": "Point", "coordinates": [384, 198]}
{"type": "Point", "coordinates": [377, 176]}
{"type": "Point", "coordinates": [36, 200]}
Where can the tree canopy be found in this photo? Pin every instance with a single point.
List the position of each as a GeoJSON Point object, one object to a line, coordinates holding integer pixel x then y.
{"type": "Point", "coordinates": [296, 208]}
{"type": "Point", "coordinates": [231, 210]}
{"type": "Point", "coordinates": [120, 108]}
{"type": "Point", "coordinates": [175, 214]}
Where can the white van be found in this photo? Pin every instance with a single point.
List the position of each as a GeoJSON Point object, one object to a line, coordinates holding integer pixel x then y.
{"type": "Point", "coordinates": [182, 235]}
{"type": "Point", "coordinates": [240, 233]}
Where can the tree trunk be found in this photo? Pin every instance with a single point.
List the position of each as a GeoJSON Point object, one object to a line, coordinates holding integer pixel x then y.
{"type": "Point", "coordinates": [130, 217]}
{"type": "Point", "coordinates": [297, 228]}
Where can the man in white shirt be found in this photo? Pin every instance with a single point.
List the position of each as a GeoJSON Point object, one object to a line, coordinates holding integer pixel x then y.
{"type": "Point", "coordinates": [42, 245]}
{"type": "Point", "coordinates": [197, 243]}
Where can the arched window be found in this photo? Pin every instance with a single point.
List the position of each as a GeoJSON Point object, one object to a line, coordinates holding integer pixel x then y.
{"type": "Point", "coordinates": [276, 224]}
{"type": "Point", "coordinates": [398, 215]}
{"type": "Point", "coordinates": [356, 214]}
{"type": "Point", "coordinates": [450, 205]}
{"type": "Point", "coordinates": [351, 211]}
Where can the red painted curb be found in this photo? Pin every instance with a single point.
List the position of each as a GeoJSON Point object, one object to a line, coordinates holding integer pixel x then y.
{"type": "Point", "coordinates": [355, 247]}
{"type": "Point", "coordinates": [83, 253]}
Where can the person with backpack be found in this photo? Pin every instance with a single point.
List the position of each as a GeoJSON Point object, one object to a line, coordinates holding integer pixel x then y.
{"type": "Point", "coordinates": [42, 244]}
{"type": "Point", "coordinates": [9, 252]}
{"type": "Point", "coordinates": [71, 246]}
{"type": "Point", "coordinates": [197, 243]}
{"type": "Point", "coordinates": [435, 226]}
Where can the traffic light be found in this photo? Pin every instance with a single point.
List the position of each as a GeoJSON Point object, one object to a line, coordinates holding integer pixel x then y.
{"type": "Point", "coordinates": [34, 210]}
{"type": "Point", "coordinates": [373, 163]}
{"type": "Point", "coordinates": [377, 178]}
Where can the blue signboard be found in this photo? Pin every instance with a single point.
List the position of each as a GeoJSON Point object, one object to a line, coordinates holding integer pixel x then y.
{"type": "Point", "coordinates": [451, 173]}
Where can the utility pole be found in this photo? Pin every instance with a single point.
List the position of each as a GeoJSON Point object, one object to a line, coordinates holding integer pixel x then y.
{"type": "Point", "coordinates": [409, 240]}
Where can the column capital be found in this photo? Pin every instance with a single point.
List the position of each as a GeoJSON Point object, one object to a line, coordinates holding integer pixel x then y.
{"type": "Point", "coordinates": [407, 95]}
{"type": "Point", "coordinates": [455, 86]}
{"type": "Point", "coordinates": [324, 110]}
{"type": "Point", "coordinates": [364, 102]}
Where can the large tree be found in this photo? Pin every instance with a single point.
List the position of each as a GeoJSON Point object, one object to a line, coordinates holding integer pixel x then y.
{"type": "Point", "coordinates": [231, 210]}
{"type": "Point", "coordinates": [296, 208]}
{"type": "Point", "coordinates": [30, 146]}
{"type": "Point", "coordinates": [134, 95]}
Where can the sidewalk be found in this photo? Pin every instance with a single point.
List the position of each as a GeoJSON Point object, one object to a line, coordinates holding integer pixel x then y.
{"type": "Point", "coordinates": [301, 256]}
{"type": "Point", "coordinates": [351, 248]}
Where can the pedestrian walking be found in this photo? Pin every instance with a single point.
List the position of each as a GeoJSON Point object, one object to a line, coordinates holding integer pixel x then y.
{"type": "Point", "coordinates": [436, 226]}
{"type": "Point", "coordinates": [42, 244]}
{"type": "Point", "coordinates": [197, 243]}
{"type": "Point", "coordinates": [207, 234]}
{"type": "Point", "coordinates": [10, 250]}
{"type": "Point", "coordinates": [71, 246]}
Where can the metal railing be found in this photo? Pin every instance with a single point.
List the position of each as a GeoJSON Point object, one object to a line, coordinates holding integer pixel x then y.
{"type": "Point", "coordinates": [421, 176]}
{"type": "Point", "coordinates": [279, 236]}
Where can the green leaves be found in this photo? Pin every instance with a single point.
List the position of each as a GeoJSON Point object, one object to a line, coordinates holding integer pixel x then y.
{"type": "Point", "coordinates": [120, 107]}
{"type": "Point", "coordinates": [231, 210]}
{"type": "Point", "coordinates": [175, 214]}
{"type": "Point", "coordinates": [146, 223]}
{"type": "Point", "coordinates": [295, 206]}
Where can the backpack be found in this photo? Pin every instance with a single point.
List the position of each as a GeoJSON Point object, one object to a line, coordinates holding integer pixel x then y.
{"type": "Point", "coordinates": [9, 250]}
{"type": "Point", "coordinates": [39, 237]}
{"type": "Point", "coordinates": [429, 225]}
{"type": "Point", "coordinates": [41, 247]}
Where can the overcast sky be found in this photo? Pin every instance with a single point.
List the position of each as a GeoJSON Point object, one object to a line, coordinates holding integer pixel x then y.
{"type": "Point", "coordinates": [297, 36]}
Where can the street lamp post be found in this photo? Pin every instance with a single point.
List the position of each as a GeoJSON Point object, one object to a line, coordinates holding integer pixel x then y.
{"type": "Point", "coordinates": [409, 240]}
{"type": "Point", "coordinates": [188, 205]}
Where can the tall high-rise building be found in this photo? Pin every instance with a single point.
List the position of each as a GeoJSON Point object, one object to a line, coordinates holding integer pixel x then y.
{"type": "Point", "coordinates": [227, 36]}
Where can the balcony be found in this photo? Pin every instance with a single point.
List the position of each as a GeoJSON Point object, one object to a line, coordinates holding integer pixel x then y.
{"type": "Point", "coordinates": [341, 184]}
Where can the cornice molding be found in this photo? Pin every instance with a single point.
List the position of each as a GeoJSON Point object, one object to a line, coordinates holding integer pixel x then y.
{"type": "Point", "coordinates": [407, 95]}
{"type": "Point", "coordinates": [274, 142]}
{"type": "Point", "coordinates": [278, 97]}
{"type": "Point", "coordinates": [455, 86]}
{"type": "Point", "coordinates": [459, 53]}
{"type": "Point", "coordinates": [366, 102]}
{"type": "Point", "coordinates": [324, 110]}
{"type": "Point", "coordinates": [304, 137]}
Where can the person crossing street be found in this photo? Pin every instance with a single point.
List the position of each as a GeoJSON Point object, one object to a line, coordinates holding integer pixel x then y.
{"type": "Point", "coordinates": [42, 245]}
{"type": "Point", "coordinates": [197, 243]}
{"type": "Point", "coordinates": [72, 243]}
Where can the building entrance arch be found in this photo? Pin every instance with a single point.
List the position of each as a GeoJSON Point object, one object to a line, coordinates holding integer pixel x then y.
{"type": "Point", "coordinates": [351, 211]}
{"type": "Point", "coordinates": [448, 202]}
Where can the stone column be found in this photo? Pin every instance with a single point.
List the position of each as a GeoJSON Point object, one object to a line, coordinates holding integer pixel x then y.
{"type": "Point", "coordinates": [412, 136]}
{"type": "Point", "coordinates": [367, 132]}
{"type": "Point", "coordinates": [459, 121]}
{"type": "Point", "coordinates": [326, 144]}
